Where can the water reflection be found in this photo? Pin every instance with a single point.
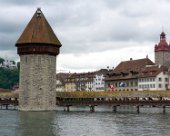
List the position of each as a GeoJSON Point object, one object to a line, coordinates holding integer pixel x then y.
{"type": "Point", "coordinates": [37, 124]}
{"type": "Point", "coordinates": [150, 122]}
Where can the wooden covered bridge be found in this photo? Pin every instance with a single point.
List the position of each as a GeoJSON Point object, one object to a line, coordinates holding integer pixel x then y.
{"type": "Point", "coordinates": [92, 99]}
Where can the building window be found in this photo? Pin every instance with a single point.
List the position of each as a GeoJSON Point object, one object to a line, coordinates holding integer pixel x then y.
{"type": "Point", "coordinates": [150, 85]}
{"type": "Point", "coordinates": [166, 86]}
{"type": "Point", "coordinates": [160, 86]}
{"type": "Point", "coordinates": [159, 79]}
{"type": "Point", "coordinates": [166, 79]}
{"type": "Point", "coordinates": [147, 85]}
{"type": "Point", "coordinates": [142, 86]}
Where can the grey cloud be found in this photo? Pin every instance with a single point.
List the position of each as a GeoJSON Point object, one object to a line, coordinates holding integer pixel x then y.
{"type": "Point", "coordinates": [19, 2]}
{"type": "Point", "coordinates": [7, 43]}
{"type": "Point", "coordinates": [74, 14]}
{"type": "Point", "coordinates": [9, 27]}
{"type": "Point", "coordinates": [81, 26]}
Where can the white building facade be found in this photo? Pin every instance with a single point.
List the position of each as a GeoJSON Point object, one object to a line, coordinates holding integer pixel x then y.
{"type": "Point", "coordinates": [157, 79]}
{"type": "Point", "coordinates": [8, 64]}
{"type": "Point", "coordinates": [99, 82]}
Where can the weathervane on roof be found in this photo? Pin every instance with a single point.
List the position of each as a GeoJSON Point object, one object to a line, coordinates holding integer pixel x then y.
{"type": "Point", "coordinates": [38, 12]}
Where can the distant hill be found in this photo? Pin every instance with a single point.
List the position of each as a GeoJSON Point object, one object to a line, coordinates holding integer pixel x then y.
{"type": "Point", "coordinates": [8, 77]}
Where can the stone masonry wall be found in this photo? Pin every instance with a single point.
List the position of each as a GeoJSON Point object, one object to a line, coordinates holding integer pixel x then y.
{"type": "Point", "coordinates": [37, 83]}
{"type": "Point", "coordinates": [162, 58]}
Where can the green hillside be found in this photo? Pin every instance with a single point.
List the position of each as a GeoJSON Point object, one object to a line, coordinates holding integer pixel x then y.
{"type": "Point", "coordinates": [8, 77]}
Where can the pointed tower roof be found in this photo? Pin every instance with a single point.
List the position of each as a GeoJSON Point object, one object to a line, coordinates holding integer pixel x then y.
{"type": "Point", "coordinates": [162, 45]}
{"type": "Point", "coordinates": [38, 31]}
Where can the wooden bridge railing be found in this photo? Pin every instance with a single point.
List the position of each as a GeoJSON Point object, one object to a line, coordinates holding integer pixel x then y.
{"type": "Point", "coordinates": [113, 94]}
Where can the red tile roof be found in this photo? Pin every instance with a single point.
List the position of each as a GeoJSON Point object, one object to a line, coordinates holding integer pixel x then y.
{"type": "Point", "coordinates": [128, 69]}
{"type": "Point", "coordinates": [62, 77]}
{"type": "Point", "coordinates": [162, 45]}
{"type": "Point", "coordinates": [152, 71]}
{"type": "Point", "coordinates": [133, 65]}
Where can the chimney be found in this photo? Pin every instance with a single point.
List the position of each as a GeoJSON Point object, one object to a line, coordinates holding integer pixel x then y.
{"type": "Point", "coordinates": [131, 59]}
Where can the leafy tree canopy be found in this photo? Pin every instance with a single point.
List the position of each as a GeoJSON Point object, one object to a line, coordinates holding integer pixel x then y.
{"type": "Point", "coordinates": [8, 77]}
{"type": "Point", "coordinates": [1, 60]}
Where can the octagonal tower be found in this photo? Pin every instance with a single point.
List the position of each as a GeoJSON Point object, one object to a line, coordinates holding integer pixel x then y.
{"type": "Point", "coordinates": [37, 47]}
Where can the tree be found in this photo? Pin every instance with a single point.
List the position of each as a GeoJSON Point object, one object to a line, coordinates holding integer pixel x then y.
{"type": "Point", "coordinates": [1, 60]}
{"type": "Point", "coordinates": [8, 77]}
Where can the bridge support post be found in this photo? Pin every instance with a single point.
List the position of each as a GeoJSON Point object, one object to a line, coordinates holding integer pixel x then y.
{"type": "Point", "coordinates": [164, 109]}
{"type": "Point", "coordinates": [114, 109]}
{"type": "Point", "coordinates": [138, 109]}
{"type": "Point", "coordinates": [6, 106]}
{"type": "Point", "coordinates": [92, 108]}
{"type": "Point", "coordinates": [68, 108]}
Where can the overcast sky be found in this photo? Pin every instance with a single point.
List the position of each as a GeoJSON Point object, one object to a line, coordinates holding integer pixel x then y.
{"type": "Point", "coordinates": [94, 33]}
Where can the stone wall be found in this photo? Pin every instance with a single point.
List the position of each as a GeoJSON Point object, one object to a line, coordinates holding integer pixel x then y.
{"type": "Point", "coordinates": [162, 58]}
{"type": "Point", "coordinates": [37, 82]}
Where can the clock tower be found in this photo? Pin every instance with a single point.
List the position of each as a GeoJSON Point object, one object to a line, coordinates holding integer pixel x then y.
{"type": "Point", "coordinates": [162, 51]}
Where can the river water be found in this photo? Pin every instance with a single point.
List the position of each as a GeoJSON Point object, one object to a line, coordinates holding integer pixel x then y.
{"type": "Point", "coordinates": [81, 122]}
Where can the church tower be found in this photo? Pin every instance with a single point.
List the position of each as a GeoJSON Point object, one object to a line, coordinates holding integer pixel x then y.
{"type": "Point", "coordinates": [37, 47]}
{"type": "Point", "coordinates": [162, 51]}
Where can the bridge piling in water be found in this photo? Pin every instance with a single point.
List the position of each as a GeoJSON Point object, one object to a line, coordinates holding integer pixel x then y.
{"type": "Point", "coordinates": [68, 108]}
{"type": "Point", "coordinates": [164, 109]}
{"type": "Point", "coordinates": [138, 109]}
{"type": "Point", "coordinates": [92, 108]}
{"type": "Point", "coordinates": [114, 109]}
{"type": "Point", "coordinates": [6, 107]}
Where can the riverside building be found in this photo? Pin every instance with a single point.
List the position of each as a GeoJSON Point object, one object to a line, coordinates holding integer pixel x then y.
{"type": "Point", "coordinates": [125, 76]}
{"type": "Point", "coordinates": [143, 74]}
{"type": "Point", "coordinates": [153, 77]}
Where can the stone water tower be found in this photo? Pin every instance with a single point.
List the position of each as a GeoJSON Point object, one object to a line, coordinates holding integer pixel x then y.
{"type": "Point", "coordinates": [37, 47]}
